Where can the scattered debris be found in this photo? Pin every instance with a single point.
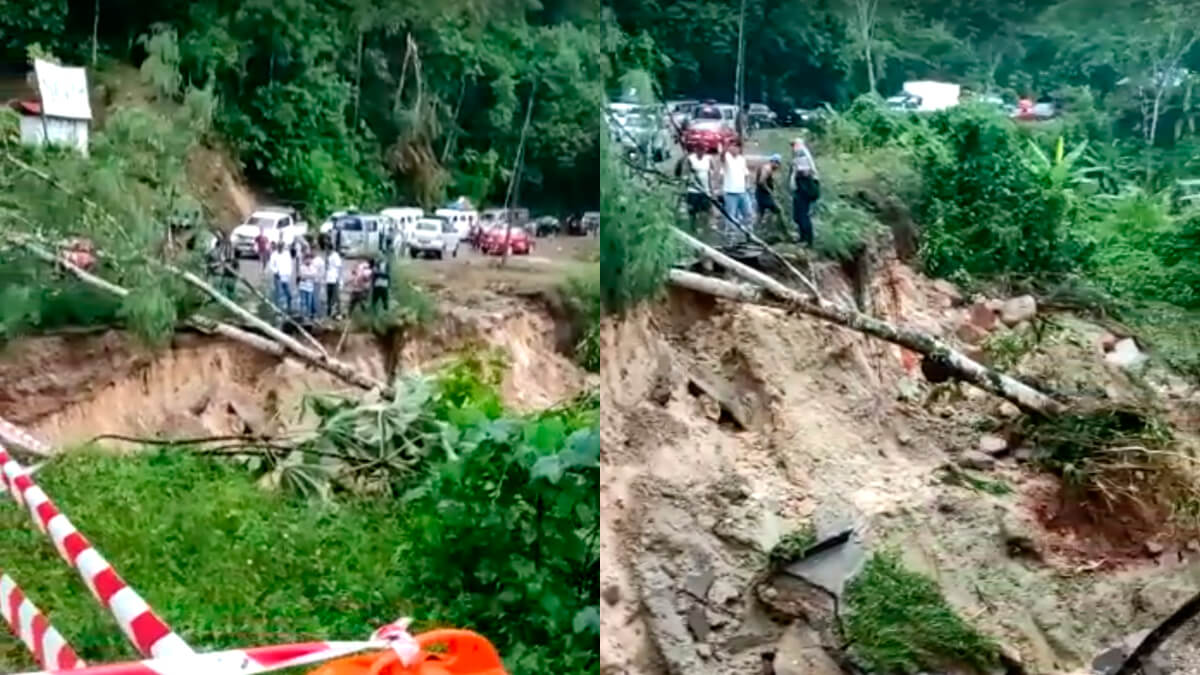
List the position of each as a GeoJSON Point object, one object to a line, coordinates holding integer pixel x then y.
{"type": "Point", "coordinates": [1018, 309]}
{"type": "Point", "coordinates": [993, 446]}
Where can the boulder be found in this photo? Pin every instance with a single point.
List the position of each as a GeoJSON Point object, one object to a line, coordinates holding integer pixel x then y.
{"type": "Point", "coordinates": [1126, 355]}
{"type": "Point", "coordinates": [1018, 309]}
{"type": "Point", "coordinates": [799, 652]}
{"type": "Point", "coordinates": [970, 333]}
{"type": "Point", "coordinates": [982, 315]}
{"type": "Point", "coordinates": [949, 290]}
{"type": "Point", "coordinates": [993, 445]}
{"type": "Point", "coordinates": [973, 459]}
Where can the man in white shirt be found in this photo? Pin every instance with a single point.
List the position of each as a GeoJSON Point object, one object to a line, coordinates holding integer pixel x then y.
{"type": "Point", "coordinates": [698, 167]}
{"type": "Point", "coordinates": [737, 201]}
{"type": "Point", "coordinates": [282, 267]}
{"type": "Point", "coordinates": [333, 281]}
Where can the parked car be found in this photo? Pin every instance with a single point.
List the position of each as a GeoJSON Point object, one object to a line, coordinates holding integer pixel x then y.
{"type": "Point", "coordinates": [760, 116]}
{"type": "Point", "coordinates": [493, 240]}
{"type": "Point", "coordinates": [679, 113]}
{"type": "Point", "coordinates": [645, 135]}
{"type": "Point", "coordinates": [435, 237]}
{"type": "Point", "coordinates": [491, 217]}
{"type": "Point", "coordinates": [709, 128]}
{"type": "Point", "coordinates": [808, 118]}
{"type": "Point", "coordinates": [464, 220]}
{"type": "Point", "coordinates": [591, 222]}
{"type": "Point", "coordinates": [359, 235]}
{"type": "Point", "coordinates": [403, 219]}
{"type": "Point", "coordinates": [545, 226]}
{"type": "Point", "coordinates": [278, 224]}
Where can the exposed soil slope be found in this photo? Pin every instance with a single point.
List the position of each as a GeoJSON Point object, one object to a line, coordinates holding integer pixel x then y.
{"type": "Point", "coordinates": [72, 388]}
{"type": "Point", "coordinates": [816, 424]}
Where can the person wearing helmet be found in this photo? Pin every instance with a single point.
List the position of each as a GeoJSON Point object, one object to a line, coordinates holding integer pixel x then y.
{"type": "Point", "coordinates": [806, 188]}
{"type": "Point", "coordinates": [764, 186]}
{"type": "Point", "coordinates": [697, 168]}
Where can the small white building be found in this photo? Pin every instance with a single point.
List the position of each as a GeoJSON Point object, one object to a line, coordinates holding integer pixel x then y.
{"type": "Point", "coordinates": [63, 116]}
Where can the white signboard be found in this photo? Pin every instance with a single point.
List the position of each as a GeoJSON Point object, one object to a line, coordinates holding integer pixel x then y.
{"type": "Point", "coordinates": [64, 91]}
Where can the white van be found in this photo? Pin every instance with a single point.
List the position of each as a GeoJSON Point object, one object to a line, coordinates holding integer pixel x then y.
{"type": "Point", "coordinates": [404, 217]}
{"type": "Point", "coordinates": [463, 221]}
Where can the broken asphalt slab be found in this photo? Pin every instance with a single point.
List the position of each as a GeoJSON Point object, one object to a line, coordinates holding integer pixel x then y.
{"type": "Point", "coordinates": [832, 562]}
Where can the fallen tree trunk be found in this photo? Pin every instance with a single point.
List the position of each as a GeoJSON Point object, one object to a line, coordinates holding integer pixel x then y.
{"type": "Point", "coordinates": [312, 341]}
{"type": "Point", "coordinates": [1023, 396]}
{"type": "Point", "coordinates": [319, 359]}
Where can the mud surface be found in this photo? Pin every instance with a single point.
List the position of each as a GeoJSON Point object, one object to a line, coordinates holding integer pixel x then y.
{"type": "Point", "coordinates": [801, 423]}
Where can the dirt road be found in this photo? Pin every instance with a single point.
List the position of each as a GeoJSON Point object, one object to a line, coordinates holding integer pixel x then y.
{"type": "Point", "coordinates": [552, 260]}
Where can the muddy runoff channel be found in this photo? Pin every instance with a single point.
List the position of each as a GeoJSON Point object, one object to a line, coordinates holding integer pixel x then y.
{"type": "Point", "coordinates": [727, 428]}
{"type": "Point", "coordinates": [70, 388]}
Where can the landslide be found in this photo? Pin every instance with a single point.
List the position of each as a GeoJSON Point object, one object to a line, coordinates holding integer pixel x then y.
{"type": "Point", "coordinates": [728, 427]}
{"type": "Point", "coordinates": [70, 388]}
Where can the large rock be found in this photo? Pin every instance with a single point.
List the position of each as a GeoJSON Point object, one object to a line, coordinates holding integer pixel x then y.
{"type": "Point", "coordinates": [1126, 355]}
{"type": "Point", "coordinates": [992, 445]}
{"type": "Point", "coordinates": [979, 461]}
{"type": "Point", "coordinates": [800, 653]}
{"type": "Point", "coordinates": [1018, 309]}
{"type": "Point", "coordinates": [949, 291]}
{"type": "Point", "coordinates": [982, 315]}
{"type": "Point", "coordinates": [970, 333]}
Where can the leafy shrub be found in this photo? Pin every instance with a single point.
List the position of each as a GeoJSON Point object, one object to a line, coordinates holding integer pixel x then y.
{"type": "Point", "coordinates": [985, 213]}
{"type": "Point", "coordinates": [584, 304]}
{"type": "Point", "coordinates": [520, 500]}
{"type": "Point", "coordinates": [637, 246]}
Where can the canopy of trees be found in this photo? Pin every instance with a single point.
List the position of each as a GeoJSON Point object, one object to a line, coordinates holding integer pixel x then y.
{"type": "Point", "coordinates": [332, 103]}
{"type": "Point", "coordinates": [1136, 59]}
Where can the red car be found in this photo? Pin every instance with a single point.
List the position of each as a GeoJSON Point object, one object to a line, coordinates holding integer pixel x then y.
{"type": "Point", "coordinates": [708, 130]}
{"type": "Point", "coordinates": [519, 241]}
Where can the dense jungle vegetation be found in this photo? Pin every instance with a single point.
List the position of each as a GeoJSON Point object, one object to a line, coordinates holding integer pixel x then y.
{"type": "Point", "coordinates": [355, 102]}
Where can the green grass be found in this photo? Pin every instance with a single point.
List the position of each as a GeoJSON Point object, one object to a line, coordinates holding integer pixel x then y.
{"type": "Point", "coordinates": [898, 622]}
{"type": "Point", "coordinates": [792, 545]}
{"type": "Point", "coordinates": [223, 562]}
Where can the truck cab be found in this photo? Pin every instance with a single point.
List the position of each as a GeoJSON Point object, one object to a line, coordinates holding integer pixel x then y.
{"type": "Point", "coordinates": [276, 224]}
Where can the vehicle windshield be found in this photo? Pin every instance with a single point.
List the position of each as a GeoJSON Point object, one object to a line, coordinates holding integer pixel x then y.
{"type": "Point", "coordinates": [708, 113]}
{"type": "Point", "coordinates": [428, 226]}
{"type": "Point", "coordinates": [349, 224]}
{"type": "Point", "coordinates": [261, 221]}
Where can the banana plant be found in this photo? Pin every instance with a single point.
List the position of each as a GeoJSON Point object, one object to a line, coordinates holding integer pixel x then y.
{"type": "Point", "coordinates": [1065, 171]}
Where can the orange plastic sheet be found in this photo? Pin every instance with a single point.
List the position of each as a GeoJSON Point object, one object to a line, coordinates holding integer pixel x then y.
{"type": "Point", "coordinates": [443, 652]}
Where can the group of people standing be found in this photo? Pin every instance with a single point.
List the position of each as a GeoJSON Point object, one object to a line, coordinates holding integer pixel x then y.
{"type": "Point", "coordinates": [728, 169]}
{"type": "Point", "coordinates": [318, 275]}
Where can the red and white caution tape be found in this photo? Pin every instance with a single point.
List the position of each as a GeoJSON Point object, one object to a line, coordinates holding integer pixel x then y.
{"type": "Point", "coordinates": [253, 660]}
{"type": "Point", "coordinates": [233, 661]}
{"type": "Point", "coordinates": [140, 624]}
{"type": "Point", "coordinates": [44, 642]}
{"type": "Point", "coordinates": [12, 434]}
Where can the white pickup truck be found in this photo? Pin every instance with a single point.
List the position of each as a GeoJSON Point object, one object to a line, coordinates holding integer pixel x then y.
{"type": "Point", "coordinates": [278, 224]}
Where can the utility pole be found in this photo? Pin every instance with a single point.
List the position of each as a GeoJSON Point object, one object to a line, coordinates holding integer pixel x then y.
{"type": "Point", "coordinates": [740, 73]}
{"type": "Point", "coordinates": [514, 186]}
